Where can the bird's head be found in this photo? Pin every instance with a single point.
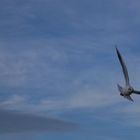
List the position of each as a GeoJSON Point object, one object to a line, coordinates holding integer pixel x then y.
{"type": "Point", "coordinates": [130, 89]}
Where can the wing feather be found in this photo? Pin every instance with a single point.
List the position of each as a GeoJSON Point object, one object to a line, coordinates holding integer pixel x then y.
{"type": "Point", "coordinates": [129, 98]}
{"type": "Point", "coordinates": [136, 92]}
{"type": "Point", "coordinates": [124, 68]}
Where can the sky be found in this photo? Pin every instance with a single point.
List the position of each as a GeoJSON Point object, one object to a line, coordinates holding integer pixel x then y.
{"type": "Point", "coordinates": [59, 69]}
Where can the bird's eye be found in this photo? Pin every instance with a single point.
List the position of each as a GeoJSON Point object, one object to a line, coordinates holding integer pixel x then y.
{"type": "Point", "coordinates": [130, 89]}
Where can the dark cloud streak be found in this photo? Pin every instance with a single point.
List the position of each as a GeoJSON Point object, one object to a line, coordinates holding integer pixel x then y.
{"type": "Point", "coordinates": [13, 122]}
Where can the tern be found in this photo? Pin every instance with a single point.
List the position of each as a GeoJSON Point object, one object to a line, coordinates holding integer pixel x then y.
{"type": "Point", "coordinates": [128, 89]}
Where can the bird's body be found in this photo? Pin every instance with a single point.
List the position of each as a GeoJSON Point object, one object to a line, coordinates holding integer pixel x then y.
{"type": "Point", "coordinates": [128, 89]}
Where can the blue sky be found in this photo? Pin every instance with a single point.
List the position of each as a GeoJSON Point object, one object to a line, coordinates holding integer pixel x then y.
{"type": "Point", "coordinates": [59, 69]}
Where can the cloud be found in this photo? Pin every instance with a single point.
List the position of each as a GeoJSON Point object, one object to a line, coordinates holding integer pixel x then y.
{"type": "Point", "coordinates": [38, 19]}
{"type": "Point", "coordinates": [66, 60]}
{"type": "Point", "coordinates": [91, 99]}
{"type": "Point", "coordinates": [16, 70]}
{"type": "Point", "coordinates": [87, 97]}
{"type": "Point", "coordinates": [12, 122]}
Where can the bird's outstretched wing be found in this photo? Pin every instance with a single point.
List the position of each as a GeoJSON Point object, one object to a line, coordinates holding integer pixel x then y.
{"type": "Point", "coordinates": [124, 69]}
{"type": "Point", "coordinates": [136, 92]}
{"type": "Point", "coordinates": [129, 98]}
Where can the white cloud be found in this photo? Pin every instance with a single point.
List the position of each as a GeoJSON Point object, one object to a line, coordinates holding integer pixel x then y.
{"type": "Point", "coordinates": [86, 98]}
{"type": "Point", "coordinates": [92, 99]}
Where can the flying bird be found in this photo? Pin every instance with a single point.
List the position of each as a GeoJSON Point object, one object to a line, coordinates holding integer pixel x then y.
{"type": "Point", "coordinates": [128, 89]}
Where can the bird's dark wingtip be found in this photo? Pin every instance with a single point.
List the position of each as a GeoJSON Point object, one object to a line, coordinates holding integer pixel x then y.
{"type": "Point", "coordinates": [116, 49]}
{"type": "Point", "coordinates": [118, 53]}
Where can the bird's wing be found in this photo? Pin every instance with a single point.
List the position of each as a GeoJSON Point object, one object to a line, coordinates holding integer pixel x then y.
{"type": "Point", "coordinates": [129, 98]}
{"type": "Point", "coordinates": [136, 92]}
{"type": "Point", "coordinates": [125, 72]}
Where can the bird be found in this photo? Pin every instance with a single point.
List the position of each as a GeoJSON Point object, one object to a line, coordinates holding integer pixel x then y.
{"type": "Point", "coordinates": [127, 90]}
